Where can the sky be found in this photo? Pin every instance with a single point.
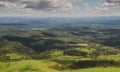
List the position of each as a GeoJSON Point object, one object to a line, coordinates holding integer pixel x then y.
{"type": "Point", "coordinates": [59, 8]}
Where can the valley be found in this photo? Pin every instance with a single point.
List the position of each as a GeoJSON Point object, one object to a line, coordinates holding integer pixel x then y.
{"type": "Point", "coordinates": [61, 46]}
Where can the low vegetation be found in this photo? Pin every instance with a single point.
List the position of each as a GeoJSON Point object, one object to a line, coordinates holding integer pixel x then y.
{"type": "Point", "coordinates": [83, 49]}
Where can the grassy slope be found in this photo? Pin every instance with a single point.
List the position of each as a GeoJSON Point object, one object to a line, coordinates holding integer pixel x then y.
{"type": "Point", "coordinates": [97, 69]}
{"type": "Point", "coordinates": [26, 66]}
{"type": "Point", "coordinates": [43, 66]}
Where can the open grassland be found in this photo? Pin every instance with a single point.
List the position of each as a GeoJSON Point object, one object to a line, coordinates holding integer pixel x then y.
{"type": "Point", "coordinates": [64, 49]}
{"type": "Point", "coordinates": [27, 66]}
{"type": "Point", "coordinates": [97, 69]}
{"type": "Point", "coordinates": [46, 66]}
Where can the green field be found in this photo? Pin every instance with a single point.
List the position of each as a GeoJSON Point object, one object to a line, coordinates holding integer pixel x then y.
{"type": "Point", "coordinates": [27, 66]}
{"type": "Point", "coordinates": [72, 49]}
{"type": "Point", "coordinates": [44, 66]}
{"type": "Point", "coordinates": [97, 69]}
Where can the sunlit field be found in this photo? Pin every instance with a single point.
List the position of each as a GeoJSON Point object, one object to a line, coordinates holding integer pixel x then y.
{"type": "Point", "coordinates": [51, 45]}
{"type": "Point", "coordinates": [45, 66]}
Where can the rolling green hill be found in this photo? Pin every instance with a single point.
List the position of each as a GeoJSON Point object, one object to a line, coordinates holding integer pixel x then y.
{"type": "Point", "coordinates": [84, 49]}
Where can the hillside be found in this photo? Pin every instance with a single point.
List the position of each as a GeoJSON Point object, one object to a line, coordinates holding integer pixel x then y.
{"type": "Point", "coordinates": [60, 49]}
{"type": "Point", "coordinates": [82, 42]}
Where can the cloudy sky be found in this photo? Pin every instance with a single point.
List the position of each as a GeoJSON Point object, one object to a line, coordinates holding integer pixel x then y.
{"type": "Point", "coordinates": [59, 8]}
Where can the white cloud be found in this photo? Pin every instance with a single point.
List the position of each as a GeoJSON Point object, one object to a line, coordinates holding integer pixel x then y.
{"type": "Point", "coordinates": [52, 5]}
{"type": "Point", "coordinates": [105, 8]}
{"type": "Point", "coordinates": [110, 3]}
{"type": "Point", "coordinates": [38, 7]}
{"type": "Point", "coordinates": [6, 4]}
{"type": "Point", "coordinates": [41, 5]}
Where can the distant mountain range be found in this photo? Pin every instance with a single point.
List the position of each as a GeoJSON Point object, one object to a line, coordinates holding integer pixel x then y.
{"type": "Point", "coordinates": [56, 21]}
